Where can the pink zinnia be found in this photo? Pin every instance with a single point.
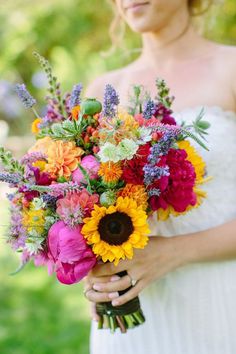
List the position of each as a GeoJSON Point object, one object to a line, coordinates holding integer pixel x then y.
{"type": "Point", "coordinates": [75, 206]}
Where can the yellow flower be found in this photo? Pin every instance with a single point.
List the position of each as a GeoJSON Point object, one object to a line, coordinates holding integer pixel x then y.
{"type": "Point", "coordinates": [42, 145]}
{"type": "Point", "coordinates": [40, 164]}
{"type": "Point", "coordinates": [128, 120]}
{"type": "Point", "coordinates": [137, 193]}
{"type": "Point", "coordinates": [35, 125]}
{"type": "Point", "coordinates": [110, 172]}
{"type": "Point", "coordinates": [34, 220]}
{"type": "Point", "coordinates": [115, 231]}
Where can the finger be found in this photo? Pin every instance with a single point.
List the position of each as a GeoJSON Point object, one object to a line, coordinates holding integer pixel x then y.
{"type": "Point", "coordinates": [93, 312]}
{"type": "Point", "coordinates": [129, 295]}
{"type": "Point", "coordinates": [92, 280]}
{"type": "Point", "coordinates": [108, 269]}
{"type": "Point", "coordinates": [114, 285]}
{"type": "Point", "coordinates": [95, 296]}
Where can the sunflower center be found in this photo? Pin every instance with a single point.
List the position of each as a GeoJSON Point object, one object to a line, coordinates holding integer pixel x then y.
{"type": "Point", "coordinates": [115, 228]}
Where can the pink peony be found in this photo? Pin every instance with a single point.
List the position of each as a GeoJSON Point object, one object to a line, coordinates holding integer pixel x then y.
{"type": "Point", "coordinates": [42, 259]}
{"type": "Point", "coordinates": [68, 249]}
{"type": "Point", "coordinates": [91, 165]}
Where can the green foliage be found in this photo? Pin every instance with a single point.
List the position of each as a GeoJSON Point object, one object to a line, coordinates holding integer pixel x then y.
{"type": "Point", "coordinates": [71, 34]}
{"type": "Point", "coordinates": [9, 163]}
{"type": "Point", "coordinates": [38, 315]}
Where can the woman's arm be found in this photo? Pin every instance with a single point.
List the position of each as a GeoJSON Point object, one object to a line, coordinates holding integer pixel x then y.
{"type": "Point", "coordinates": [161, 256]}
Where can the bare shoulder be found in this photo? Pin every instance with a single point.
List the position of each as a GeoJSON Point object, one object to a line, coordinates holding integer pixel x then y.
{"type": "Point", "coordinates": [226, 56]}
{"type": "Point", "coordinates": [114, 78]}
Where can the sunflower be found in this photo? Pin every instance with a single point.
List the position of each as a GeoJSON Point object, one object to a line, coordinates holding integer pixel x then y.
{"type": "Point", "coordinates": [115, 231]}
{"type": "Point", "coordinates": [137, 193]}
{"type": "Point", "coordinates": [110, 172]}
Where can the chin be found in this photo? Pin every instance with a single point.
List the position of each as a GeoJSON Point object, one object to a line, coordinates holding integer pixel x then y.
{"type": "Point", "coordinates": [143, 25]}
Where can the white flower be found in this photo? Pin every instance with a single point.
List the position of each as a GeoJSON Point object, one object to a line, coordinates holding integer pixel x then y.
{"type": "Point", "coordinates": [109, 152]}
{"type": "Point", "coordinates": [38, 203]}
{"type": "Point", "coordinates": [34, 243]}
{"type": "Point", "coordinates": [127, 149]}
{"type": "Point", "coordinates": [144, 135]}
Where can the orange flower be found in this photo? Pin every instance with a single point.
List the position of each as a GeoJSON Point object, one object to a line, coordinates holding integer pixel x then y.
{"type": "Point", "coordinates": [75, 112]}
{"type": "Point", "coordinates": [35, 125]}
{"type": "Point", "coordinates": [136, 192]}
{"type": "Point", "coordinates": [42, 145]}
{"type": "Point", "coordinates": [110, 172]}
{"type": "Point", "coordinates": [63, 158]}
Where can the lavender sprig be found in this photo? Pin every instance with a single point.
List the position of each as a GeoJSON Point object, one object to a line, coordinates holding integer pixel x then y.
{"type": "Point", "coordinates": [24, 95]}
{"type": "Point", "coordinates": [27, 100]}
{"type": "Point", "coordinates": [57, 189]}
{"type": "Point", "coordinates": [111, 101]}
{"type": "Point", "coordinates": [154, 192]}
{"type": "Point", "coordinates": [75, 95]}
{"type": "Point", "coordinates": [152, 173]}
{"type": "Point", "coordinates": [49, 200]}
{"type": "Point", "coordinates": [32, 157]}
{"type": "Point", "coordinates": [54, 85]}
{"type": "Point", "coordinates": [149, 109]}
{"type": "Point", "coordinates": [11, 178]}
{"type": "Point", "coordinates": [162, 147]}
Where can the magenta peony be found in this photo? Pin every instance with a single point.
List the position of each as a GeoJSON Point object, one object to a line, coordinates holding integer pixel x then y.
{"type": "Point", "coordinates": [179, 192]}
{"type": "Point", "coordinates": [68, 249]}
{"type": "Point", "coordinates": [91, 165]}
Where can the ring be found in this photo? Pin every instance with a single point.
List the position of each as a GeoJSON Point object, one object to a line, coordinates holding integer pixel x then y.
{"type": "Point", "coordinates": [85, 291]}
{"type": "Point", "coordinates": [132, 281]}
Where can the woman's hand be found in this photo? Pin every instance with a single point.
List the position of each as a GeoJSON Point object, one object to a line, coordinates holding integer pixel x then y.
{"type": "Point", "coordinates": [161, 256]}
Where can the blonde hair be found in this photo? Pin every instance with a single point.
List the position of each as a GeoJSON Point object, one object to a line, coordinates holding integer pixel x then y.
{"type": "Point", "coordinates": [117, 27]}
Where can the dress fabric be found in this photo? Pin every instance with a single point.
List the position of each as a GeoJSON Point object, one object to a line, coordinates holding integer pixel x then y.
{"type": "Point", "coordinates": [193, 309]}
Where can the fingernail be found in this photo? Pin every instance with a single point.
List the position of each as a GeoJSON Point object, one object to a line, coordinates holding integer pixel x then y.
{"type": "Point", "coordinates": [115, 303]}
{"type": "Point", "coordinates": [113, 295]}
{"type": "Point", "coordinates": [115, 278]}
{"type": "Point", "coordinates": [96, 287]}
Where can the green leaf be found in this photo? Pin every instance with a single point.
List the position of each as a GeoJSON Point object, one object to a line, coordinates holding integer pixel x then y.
{"type": "Point", "coordinates": [57, 129]}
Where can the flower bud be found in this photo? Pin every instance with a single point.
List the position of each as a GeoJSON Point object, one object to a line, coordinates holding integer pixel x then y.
{"type": "Point", "coordinates": [108, 198]}
{"type": "Point", "coordinates": [91, 106]}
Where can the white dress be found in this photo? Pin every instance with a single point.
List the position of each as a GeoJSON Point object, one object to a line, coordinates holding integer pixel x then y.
{"type": "Point", "coordinates": [193, 309]}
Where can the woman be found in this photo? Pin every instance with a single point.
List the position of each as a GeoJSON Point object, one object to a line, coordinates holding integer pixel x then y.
{"type": "Point", "coordinates": [186, 274]}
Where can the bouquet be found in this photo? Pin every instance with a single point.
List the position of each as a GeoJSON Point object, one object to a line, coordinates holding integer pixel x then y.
{"type": "Point", "coordinates": [84, 191]}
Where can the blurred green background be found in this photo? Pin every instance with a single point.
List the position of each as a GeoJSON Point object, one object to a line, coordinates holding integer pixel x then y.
{"type": "Point", "coordinates": [37, 315]}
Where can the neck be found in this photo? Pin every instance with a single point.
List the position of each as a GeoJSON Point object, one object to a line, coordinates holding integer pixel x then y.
{"type": "Point", "coordinates": [175, 40]}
